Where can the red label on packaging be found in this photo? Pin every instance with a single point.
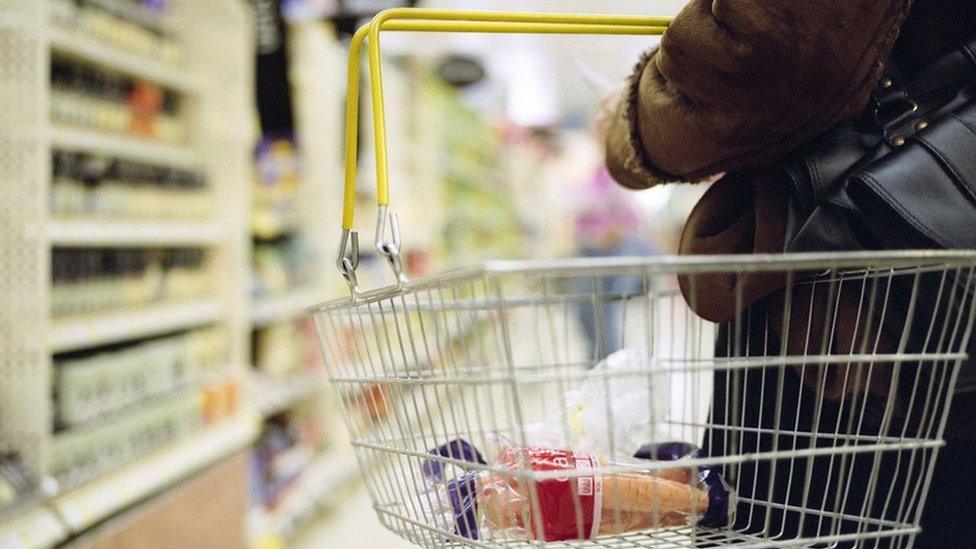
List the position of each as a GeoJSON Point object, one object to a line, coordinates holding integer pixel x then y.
{"type": "Point", "coordinates": [570, 505]}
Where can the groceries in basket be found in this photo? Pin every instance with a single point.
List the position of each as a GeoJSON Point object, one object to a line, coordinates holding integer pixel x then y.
{"type": "Point", "coordinates": [549, 494]}
{"type": "Point", "coordinates": [584, 475]}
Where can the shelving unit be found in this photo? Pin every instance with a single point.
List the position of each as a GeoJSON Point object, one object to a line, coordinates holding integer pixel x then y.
{"type": "Point", "coordinates": [283, 307]}
{"type": "Point", "coordinates": [272, 396]}
{"type": "Point", "coordinates": [38, 527]}
{"type": "Point", "coordinates": [132, 148]}
{"type": "Point", "coordinates": [96, 330]}
{"type": "Point", "coordinates": [73, 44]}
{"type": "Point", "coordinates": [131, 12]}
{"type": "Point", "coordinates": [85, 506]}
{"type": "Point", "coordinates": [214, 85]}
{"type": "Point", "coordinates": [84, 232]}
{"type": "Point", "coordinates": [289, 398]}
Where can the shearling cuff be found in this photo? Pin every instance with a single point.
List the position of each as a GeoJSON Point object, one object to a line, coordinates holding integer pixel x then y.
{"type": "Point", "coordinates": [636, 160]}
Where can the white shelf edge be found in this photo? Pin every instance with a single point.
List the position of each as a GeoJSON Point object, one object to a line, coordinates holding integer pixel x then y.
{"type": "Point", "coordinates": [83, 232]}
{"type": "Point", "coordinates": [36, 527]}
{"type": "Point", "coordinates": [120, 146]}
{"type": "Point", "coordinates": [134, 12]}
{"type": "Point", "coordinates": [275, 395]}
{"type": "Point", "coordinates": [104, 497]}
{"type": "Point", "coordinates": [112, 327]}
{"type": "Point", "coordinates": [74, 44]}
{"type": "Point", "coordinates": [291, 304]}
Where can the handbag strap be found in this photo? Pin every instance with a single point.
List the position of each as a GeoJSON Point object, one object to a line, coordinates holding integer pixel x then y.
{"type": "Point", "coordinates": [898, 105]}
{"type": "Point", "coordinates": [901, 104]}
{"type": "Point", "coordinates": [893, 110]}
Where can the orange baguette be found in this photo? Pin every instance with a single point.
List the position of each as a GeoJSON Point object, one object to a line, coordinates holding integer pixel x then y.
{"type": "Point", "coordinates": [647, 493]}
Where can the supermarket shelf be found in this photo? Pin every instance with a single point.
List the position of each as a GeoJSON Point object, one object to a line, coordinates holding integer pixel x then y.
{"type": "Point", "coordinates": [133, 12]}
{"type": "Point", "coordinates": [286, 306]}
{"type": "Point", "coordinates": [318, 486]}
{"type": "Point", "coordinates": [73, 44]}
{"type": "Point", "coordinates": [272, 396]}
{"type": "Point", "coordinates": [131, 233]}
{"type": "Point", "coordinates": [92, 330]}
{"type": "Point", "coordinates": [133, 148]}
{"type": "Point", "coordinates": [90, 504]}
{"type": "Point", "coordinates": [38, 527]}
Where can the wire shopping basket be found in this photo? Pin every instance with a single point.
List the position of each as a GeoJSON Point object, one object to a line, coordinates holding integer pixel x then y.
{"type": "Point", "coordinates": [482, 416]}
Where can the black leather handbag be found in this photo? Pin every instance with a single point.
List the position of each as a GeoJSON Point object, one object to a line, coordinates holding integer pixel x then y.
{"type": "Point", "coordinates": [900, 176]}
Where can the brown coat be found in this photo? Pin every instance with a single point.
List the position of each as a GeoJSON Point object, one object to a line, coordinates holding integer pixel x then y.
{"type": "Point", "coordinates": [738, 84]}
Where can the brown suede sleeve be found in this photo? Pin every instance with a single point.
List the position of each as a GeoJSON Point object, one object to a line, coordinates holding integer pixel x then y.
{"type": "Point", "coordinates": [739, 83]}
{"type": "Point", "coordinates": [746, 214]}
{"type": "Point", "coordinates": [741, 214]}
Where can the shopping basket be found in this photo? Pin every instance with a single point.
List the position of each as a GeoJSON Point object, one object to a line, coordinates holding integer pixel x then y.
{"type": "Point", "coordinates": [819, 412]}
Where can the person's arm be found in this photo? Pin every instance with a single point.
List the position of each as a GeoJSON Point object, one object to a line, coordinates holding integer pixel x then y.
{"type": "Point", "coordinates": [739, 83]}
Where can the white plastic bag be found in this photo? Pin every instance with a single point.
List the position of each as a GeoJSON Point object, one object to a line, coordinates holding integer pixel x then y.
{"type": "Point", "coordinates": [619, 405]}
{"type": "Point", "coordinates": [627, 392]}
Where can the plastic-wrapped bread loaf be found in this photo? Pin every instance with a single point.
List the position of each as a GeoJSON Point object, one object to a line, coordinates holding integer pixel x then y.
{"type": "Point", "coordinates": [539, 493]}
{"type": "Point", "coordinates": [584, 503]}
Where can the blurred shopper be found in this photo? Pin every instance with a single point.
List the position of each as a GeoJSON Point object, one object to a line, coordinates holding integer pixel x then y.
{"type": "Point", "coordinates": [758, 88]}
{"type": "Point", "coordinates": [608, 224]}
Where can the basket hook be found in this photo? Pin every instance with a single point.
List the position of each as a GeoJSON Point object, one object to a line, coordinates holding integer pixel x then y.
{"type": "Point", "coordinates": [348, 259]}
{"type": "Point", "coordinates": [390, 248]}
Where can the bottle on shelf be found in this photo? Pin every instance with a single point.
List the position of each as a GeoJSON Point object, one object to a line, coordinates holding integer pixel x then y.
{"type": "Point", "coordinates": [134, 26]}
{"type": "Point", "coordinates": [92, 186]}
{"type": "Point", "coordinates": [87, 97]}
{"type": "Point", "coordinates": [84, 453]}
{"type": "Point", "coordinates": [91, 280]}
{"type": "Point", "coordinates": [116, 403]}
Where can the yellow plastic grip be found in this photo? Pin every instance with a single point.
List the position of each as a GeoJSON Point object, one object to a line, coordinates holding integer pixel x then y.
{"type": "Point", "coordinates": [425, 20]}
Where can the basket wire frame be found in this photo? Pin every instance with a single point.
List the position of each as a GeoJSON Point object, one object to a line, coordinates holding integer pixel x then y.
{"type": "Point", "coordinates": [829, 435]}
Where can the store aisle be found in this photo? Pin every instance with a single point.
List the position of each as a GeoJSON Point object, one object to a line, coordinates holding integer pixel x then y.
{"type": "Point", "coordinates": [351, 524]}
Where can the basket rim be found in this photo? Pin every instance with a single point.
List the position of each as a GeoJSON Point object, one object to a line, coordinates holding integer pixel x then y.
{"type": "Point", "coordinates": [665, 264]}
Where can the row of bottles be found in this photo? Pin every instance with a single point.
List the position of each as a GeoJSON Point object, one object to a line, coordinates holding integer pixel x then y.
{"type": "Point", "coordinates": [86, 185]}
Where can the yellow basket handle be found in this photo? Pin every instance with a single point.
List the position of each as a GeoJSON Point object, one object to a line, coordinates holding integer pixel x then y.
{"type": "Point", "coordinates": [428, 20]}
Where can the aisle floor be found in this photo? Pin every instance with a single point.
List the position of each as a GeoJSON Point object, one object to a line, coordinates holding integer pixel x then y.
{"type": "Point", "coordinates": [352, 524]}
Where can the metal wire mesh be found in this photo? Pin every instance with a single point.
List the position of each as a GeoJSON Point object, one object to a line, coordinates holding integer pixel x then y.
{"type": "Point", "coordinates": [823, 404]}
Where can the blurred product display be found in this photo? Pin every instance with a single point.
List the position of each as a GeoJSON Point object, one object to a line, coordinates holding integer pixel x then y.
{"type": "Point", "coordinates": [289, 385]}
{"type": "Point", "coordinates": [285, 348]}
{"type": "Point", "coordinates": [289, 443]}
{"type": "Point", "coordinates": [96, 186]}
{"type": "Point", "coordinates": [136, 26]}
{"type": "Point", "coordinates": [115, 404]}
{"type": "Point", "coordinates": [294, 164]}
{"type": "Point", "coordinates": [282, 257]}
{"type": "Point", "coordinates": [278, 175]}
{"type": "Point", "coordinates": [81, 454]}
{"type": "Point", "coordinates": [84, 96]}
{"type": "Point", "coordinates": [98, 382]}
{"type": "Point", "coordinates": [125, 279]}
{"type": "Point", "coordinates": [17, 481]}
{"type": "Point", "coordinates": [483, 221]}
{"type": "Point", "coordinates": [222, 398]}
{"type": "Point", "coordinates": [175, 169]}
{"type": "Point", "coordinates": [90, 280]}
{"type": "Point", "coordinates": [281, 264]}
